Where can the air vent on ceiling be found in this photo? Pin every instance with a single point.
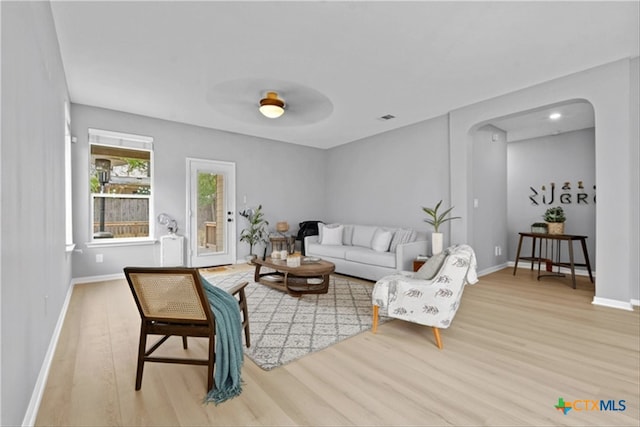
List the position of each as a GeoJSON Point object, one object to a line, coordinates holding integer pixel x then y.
{"type": "Point", "coordinates": [387, 117]}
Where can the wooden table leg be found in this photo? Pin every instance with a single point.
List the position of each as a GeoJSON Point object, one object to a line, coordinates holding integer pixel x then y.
{"type": "Point", "coordinates": [573, 268]}
{"type": "Point", "coordinates": [515, 267]}
{"type": "Point", "coordinates": [256, 275]}
{"type": "Point", "coordinates": [533, 252]}
{"type": "Point", "coordinates": [586, 258]}
{"type": "Point", "coordinates": [539, 256]}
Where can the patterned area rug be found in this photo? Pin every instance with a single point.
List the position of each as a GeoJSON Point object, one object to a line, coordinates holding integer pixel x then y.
{"type": "Point", "coordinates": [284, 328]}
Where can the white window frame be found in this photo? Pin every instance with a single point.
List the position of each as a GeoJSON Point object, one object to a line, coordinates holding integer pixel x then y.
{"type": "Point", "coordinates": [68, 177]}
{"type": "Point", "coordinates": [133, 142]}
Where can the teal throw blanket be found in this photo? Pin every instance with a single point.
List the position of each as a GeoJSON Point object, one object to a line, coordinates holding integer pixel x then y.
{"type": "Point", "coordinates": [229, 355]}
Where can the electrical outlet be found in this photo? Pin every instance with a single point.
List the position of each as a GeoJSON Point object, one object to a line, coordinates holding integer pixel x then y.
{"type": "Point", "coordinates": [99, 258]}
{"type": "Point", "coordinates": [498, 250]}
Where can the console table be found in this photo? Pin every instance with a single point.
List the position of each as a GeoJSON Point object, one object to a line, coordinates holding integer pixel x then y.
{"type": "Point", "coordinates": [556, 239]}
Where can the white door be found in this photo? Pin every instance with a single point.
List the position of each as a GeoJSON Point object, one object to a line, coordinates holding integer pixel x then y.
{"type": "Point", "coordinates": [211, 208]}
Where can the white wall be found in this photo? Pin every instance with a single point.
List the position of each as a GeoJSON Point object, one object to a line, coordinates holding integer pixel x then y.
{"type": "Point", "coordinates": [35, 273]}
{"type": "Point", "coordinates": [567, 157]}
{"type": "Point", "coordinates": [286, 179]}
{"type": "Point", "coordinates": [609, 90]}
{"type": "Point", "coordinates": [634, 161]}
{"type": "Point", "coordinates": [387, 178]}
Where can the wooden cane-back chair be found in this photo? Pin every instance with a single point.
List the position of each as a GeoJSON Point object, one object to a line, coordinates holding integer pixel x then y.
{"type": "Point", "coordinates": [172, 302]}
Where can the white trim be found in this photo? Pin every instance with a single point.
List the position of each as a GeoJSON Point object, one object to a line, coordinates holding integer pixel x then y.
{"type": "Point", "coordinates": [135, 241]}
{"type": "Point", "coordinates": [492, 269]}
{"type": "Point", "coordinates": [613, 303]}
{"type": "Point", "coordinates": [229, 229]}
{"type": "Point", "coordinates": [635, 302]}
{"type": "Point", "coordinates": [132, 142]}
{"type": "Point", "coordinates": [69, 247]}
{"type": "Point", "coordinates": [93, 279]}
{"type": "Point", "coordinates": [120, 196]}
{"type": "Point", "coordinates": [38, 390]}
{"type": "Point", "coordinates": [120, 139]}
{"type": "Point", "coordinates": [527, 264]}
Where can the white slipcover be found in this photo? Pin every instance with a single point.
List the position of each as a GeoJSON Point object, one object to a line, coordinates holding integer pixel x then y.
{"type": "Point", "coordinates": [428, 302]}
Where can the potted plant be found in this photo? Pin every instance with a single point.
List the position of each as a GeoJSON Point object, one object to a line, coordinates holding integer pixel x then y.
{"type": "Point", "coordinates": [555, 218]}
{"type": "Point", "coordinates": [256, 232]}
{"type": "Point", "coordinates": [539, 227]}
{"type": "Point", "coordinates": [437, 219]}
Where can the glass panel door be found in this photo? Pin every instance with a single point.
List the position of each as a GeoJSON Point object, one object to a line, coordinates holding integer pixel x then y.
{"type": "Point", "coordinates": [211, 208]}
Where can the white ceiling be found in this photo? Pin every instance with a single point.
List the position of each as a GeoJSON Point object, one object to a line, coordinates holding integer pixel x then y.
{"type": "Point", "coordinates": [339, 66]}
{"type": "Point", "coordinates": [574, 115]}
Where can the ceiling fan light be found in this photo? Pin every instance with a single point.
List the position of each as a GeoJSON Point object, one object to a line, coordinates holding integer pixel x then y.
{"type": "Point", "coordinates": [271, 106]}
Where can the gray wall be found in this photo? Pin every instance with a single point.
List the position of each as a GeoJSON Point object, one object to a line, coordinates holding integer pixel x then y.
{"type": "Point", "coordinates": [35, 273]}
{"type": "Point", "coordinates": [387, 178]}
{"type": "Point", "coordinates": [559, 158]}
{"type": "Point", "coordinates": [609, 89]}
{"type": "Point", "coordinates": [286, 179]}
{"type": "Point", "coordinates": [490, 190]}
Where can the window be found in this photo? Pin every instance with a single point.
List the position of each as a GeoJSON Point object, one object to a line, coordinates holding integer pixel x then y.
{"type": "Point", "coordinates": [68, 199]}
{"type": "Point", "coordinates": [120, 182]}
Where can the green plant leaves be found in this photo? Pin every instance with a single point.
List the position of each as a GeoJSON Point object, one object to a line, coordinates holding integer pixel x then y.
{"type": "Point", "coordinates": [436, 220]}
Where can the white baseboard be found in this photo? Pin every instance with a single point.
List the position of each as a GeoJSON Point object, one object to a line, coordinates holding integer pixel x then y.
{"type": "Point", "coordinates": [92, 279]}
{"type": "Point", "coordinates": [527, 264]}
{"type": "Point", "coordinates": [613, 303]}
{"type": "Point", "coordinates": [492, 269]}
{"type": "Point", "coordinates": [38, 390]}
{"type": "Point", "coordinates": [635, 302]}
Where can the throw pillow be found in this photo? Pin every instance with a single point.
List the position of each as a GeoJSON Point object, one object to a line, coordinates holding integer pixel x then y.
{"type": "Point", "coordinates": [381, 240]}
{"type": "Point", "coordinates": [332, 236]}
{"type": "Point", "coordinates": [322, 226]}
{"type": "Point", "coordinates": [363, 235]}
{"type": "Point", "coordinates": [347, 235]}
{"type": "Point", "coordinates": [402, 236]}
{"type": "Point", "coordinates": [431, 267]}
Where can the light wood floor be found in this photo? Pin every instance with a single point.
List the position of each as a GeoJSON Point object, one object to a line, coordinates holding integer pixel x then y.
{"type": "Point", "coordinates": [515, 347]}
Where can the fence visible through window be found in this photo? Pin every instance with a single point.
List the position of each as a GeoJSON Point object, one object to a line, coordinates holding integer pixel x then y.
{"type": "Point", "coordinates": [120, 184]}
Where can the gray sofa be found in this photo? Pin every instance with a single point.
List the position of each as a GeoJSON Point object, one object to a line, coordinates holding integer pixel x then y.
{"type": "Point", "coordinates": [366, 251]}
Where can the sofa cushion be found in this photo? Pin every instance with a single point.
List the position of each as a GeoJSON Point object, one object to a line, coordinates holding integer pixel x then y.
{"type": "Point", "coordinates": [347, 235]}
{"type": "Point", "coordinates": [332, 251]}
{"type": "Point", "coordinates": [401, 236]}
{"type": "Point", "coordinates": [331, 235]}
{"type": "Point", "coordinates": [381, 240]}
{"type": "Point", "coordinates": [369, 256]}
{"type": "Point", "coordinates": [363, 235]}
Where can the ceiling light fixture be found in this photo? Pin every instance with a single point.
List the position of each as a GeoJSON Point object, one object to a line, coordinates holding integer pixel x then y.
{"type": "Point", "coordinates": [555, 116]}
{"type": "Point", "coordinates": [272, 106]}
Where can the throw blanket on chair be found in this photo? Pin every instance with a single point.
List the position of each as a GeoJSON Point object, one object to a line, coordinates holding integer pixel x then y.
{"type": "Point", "coordinates": [428, 302]}
{"type": "Point", "coordinates": [229, 355]}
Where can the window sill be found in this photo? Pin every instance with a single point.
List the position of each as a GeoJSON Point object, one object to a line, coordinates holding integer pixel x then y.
{"type": "Point", "coordinates": [109, 243]}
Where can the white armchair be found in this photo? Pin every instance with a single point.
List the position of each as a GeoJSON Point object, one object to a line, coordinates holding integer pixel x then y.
{"type": "Point", "coordinates": [431, 302]}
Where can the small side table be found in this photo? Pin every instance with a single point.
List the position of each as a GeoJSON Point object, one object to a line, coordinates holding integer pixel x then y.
{"type": "Point", "coordinates": [555, 260]}
{"type": "Point", "coordinates": [417, 263]}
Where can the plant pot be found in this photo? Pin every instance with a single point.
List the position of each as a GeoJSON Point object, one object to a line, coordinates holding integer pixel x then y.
{"type": "Point", "coordinates": [539, 229]}
{"type": "Point", "coordinates": [436, 243]}
{"type": "Point", "coordinates": [555, 227]}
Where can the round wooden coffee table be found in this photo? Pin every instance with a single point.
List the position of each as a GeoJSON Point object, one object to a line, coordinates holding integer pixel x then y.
{"type": "Point", "coordinates": [307, 278]}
